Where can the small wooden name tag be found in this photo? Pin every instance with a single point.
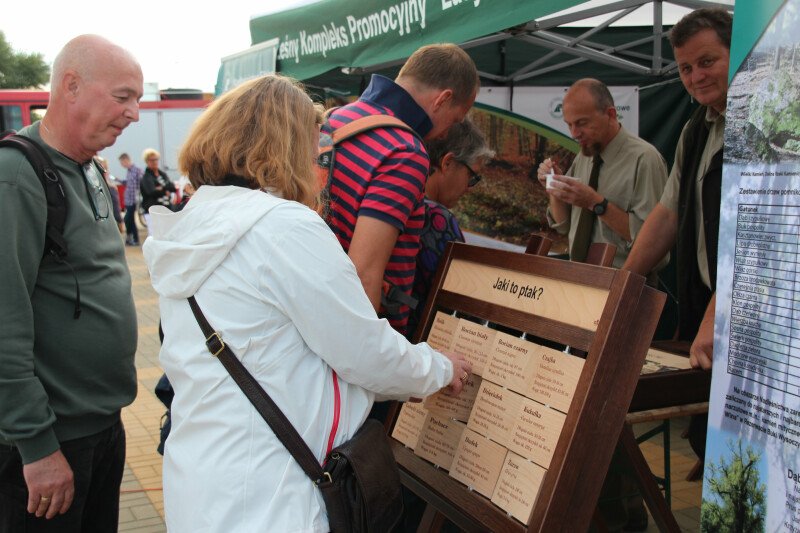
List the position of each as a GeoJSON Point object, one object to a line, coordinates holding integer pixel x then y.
{"type": "Point", "coordinates": [659, 361]}
{"type": "Point", "coordinates": [409, 423]}
{"type": "Point", "coordinates": [518, 486]}
{"type": "Point", "coordinates": [440, 337]}
{"type": "Point", "coordinates": [508, 361]}
{"type": "Point", "coordinates": [460, 407]}
{"type": "Point", "coordinates": [552, 377]}
{"type": "Point", "coordinates": [495, 412]}
{"type": "Point", "coordinates": [535, 432]}
{"type": "Point", "coordinates": [477, 462]}
{"type": "Point", "coordinates": [474, 342]}
{"type": "Point", "coordinates": [438, 440]}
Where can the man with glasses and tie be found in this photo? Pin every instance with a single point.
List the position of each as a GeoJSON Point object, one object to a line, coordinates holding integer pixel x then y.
{"type": "Point", "coordinates": [68, 337]}
{"type": "Point", "coordinates": [612, 184]}
{"type": "Point", "coordinates": [605, 196]}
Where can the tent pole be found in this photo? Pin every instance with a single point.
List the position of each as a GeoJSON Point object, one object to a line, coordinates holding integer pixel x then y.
{"type": "Point", "coordinates": [658, 28]}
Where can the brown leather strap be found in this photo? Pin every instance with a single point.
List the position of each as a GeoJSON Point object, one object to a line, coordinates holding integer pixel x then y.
{"type": "Point", "coordinates": [368, 122]}
{"type": "Point", "coordinates": [268, 410]}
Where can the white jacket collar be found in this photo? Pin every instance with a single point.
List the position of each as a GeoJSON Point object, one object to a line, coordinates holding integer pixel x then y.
{"type": "Point", "coordinates": [184, 248]}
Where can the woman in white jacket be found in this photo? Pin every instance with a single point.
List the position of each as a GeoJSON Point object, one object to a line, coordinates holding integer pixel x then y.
{"type": "Point", "coordinates": [273, 280]}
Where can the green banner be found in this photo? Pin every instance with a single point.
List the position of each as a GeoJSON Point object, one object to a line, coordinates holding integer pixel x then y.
{"type": "Point", "coordinates": [352, 33]}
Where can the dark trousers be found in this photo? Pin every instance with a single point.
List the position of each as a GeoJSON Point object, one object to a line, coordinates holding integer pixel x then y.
{"type": "Point", "coordinates": [130, 223]}
{"type": "Point", "coordinates": [97, 462]}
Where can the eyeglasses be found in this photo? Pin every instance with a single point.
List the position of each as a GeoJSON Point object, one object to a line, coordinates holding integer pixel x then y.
{"type": "Point", "coordinates": [95, 191]}
{"type": "Point", "coordinates": [474, 177]}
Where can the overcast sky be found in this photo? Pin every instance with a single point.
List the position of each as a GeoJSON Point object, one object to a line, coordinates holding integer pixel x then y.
{"type": "Point", "coordinates": [178, 43]}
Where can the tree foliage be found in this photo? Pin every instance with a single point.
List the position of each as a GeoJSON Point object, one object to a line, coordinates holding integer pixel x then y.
{"type": "Point", "coordinates": [739, 502]}
{"type": "Point", "coordinates": [20, 70]}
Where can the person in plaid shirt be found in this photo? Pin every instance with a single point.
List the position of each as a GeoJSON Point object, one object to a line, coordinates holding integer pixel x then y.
{"type": "Point", "coordinates": [132, 179]}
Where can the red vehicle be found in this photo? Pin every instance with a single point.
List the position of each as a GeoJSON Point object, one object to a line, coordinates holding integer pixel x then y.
{"type": "Point", "coordinates": [162, 124]}
{"type": "Point", "coordinates": [20, 108]}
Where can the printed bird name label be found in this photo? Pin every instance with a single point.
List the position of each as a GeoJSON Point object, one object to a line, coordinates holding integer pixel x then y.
{"type": "Point", "coordinates": [495, 412]}
{"type": "Point", "coordinates": [440, 337]}
{"type": "Point", "coordinates": [552, 377]}
{"type": "Point", "coordinates": [477, 462]}
{"type": "Point", "coordinates": [508, 361]}
{"type": "Point", "coordinates": [459, 407]}
{"type": "Point", "coordinates": [409, 423]}
{"type": "Point", "coordinates": [474, 342]}
{"type": "Point", "coordinates": [535, 432]}
{"type": "Point", "coordinates": [518, 486]}
{"type": "Point", "coordinates": [438, 440]}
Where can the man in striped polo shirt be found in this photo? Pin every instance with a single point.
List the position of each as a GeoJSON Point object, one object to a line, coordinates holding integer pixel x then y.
{"type": "Point", "coordinates": [378, 181]}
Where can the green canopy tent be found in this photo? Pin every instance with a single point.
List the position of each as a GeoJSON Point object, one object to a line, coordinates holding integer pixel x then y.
{"type": "Point", "coordinates": [334, 46]}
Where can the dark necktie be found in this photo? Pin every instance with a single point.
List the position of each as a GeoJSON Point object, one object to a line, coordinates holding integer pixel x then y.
{"type": "Point", "coordinates": [583, 233]}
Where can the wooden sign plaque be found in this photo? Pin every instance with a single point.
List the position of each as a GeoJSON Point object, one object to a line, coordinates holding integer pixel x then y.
{"type": "Point", "coordinates": [606, 314]}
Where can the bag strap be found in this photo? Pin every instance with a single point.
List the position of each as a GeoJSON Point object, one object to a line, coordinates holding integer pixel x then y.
{"type": "Point", "coordinates": [327, 150]}
{"type": "Point", "coordinates": [337, 404]}
{"type": "Point", "coordinates": [267, 408]}
{"type": "Point", "coordinates": [366, 123]}
{"type": "Point", "coordinates": [391, 297]}
{"type": "Point", "coordinates": [55, 244]}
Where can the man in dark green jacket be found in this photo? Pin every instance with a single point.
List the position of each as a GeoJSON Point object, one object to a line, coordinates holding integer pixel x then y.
{"type": "Point", "coordinates": [688, 212]}
{"type": "Point", "coordinates": [67, 357]}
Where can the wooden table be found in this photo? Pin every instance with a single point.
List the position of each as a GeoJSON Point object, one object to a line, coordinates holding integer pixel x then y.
{"type": "Point", "coordinates": [660, 396]}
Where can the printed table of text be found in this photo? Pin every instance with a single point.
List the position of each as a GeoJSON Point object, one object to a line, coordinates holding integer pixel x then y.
{"type": "Point", "coordinates": [764, 342]}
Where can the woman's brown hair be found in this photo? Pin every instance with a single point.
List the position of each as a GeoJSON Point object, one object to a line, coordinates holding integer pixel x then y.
{"type": "Point", "coordinates": [265, 130]}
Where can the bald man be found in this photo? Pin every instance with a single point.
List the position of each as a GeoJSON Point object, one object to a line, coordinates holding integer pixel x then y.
{"type": "Point", "coordinates": [631, 176]}
{"type": "Point", "coordinates": [68, 338]}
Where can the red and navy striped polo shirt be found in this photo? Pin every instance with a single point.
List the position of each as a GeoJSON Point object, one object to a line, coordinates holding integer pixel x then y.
{"type": "Point", "coordinates": [381, 174]}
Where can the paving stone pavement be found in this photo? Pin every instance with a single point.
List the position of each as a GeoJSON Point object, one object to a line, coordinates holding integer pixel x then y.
{"type": "Point", "coordinates": [141, 501]}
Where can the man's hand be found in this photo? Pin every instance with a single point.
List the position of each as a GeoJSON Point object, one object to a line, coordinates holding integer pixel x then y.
{"type": "Point", "coordinates": [573, 192]}
{"type": "Point", "coordinates": [461, 371]}
{"type": "Point", "coordinates": [544, 169]}
{"type": "Point", "coordinates": [50, 485]}
{"type": "Point", "coordinates": [701, 354]}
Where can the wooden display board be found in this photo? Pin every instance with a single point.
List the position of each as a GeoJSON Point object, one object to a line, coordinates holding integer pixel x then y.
{"type": "Point", "coordinates": [527, 446]}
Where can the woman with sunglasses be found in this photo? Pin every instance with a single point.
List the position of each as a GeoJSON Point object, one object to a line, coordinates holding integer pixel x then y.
{"type": "Point", "coordinates": [456, 160]}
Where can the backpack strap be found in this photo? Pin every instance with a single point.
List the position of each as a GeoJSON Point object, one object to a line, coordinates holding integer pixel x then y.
{"type": "Point", "coordinates": [391, 297]}
{"type": "Point", "coordinates": [351, 129]}
{"type": "Point", "coordinates": [55, 245]}
{"type": "Point", "coordinates": [367, 123]}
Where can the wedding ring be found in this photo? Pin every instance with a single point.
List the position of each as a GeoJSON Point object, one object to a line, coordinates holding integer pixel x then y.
{"type": "Point", "coordinates": [44, 499]}
{"type": "Point", "coordinates": [464, 377]}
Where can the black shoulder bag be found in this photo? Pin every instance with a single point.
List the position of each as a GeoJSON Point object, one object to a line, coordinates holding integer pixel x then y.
{"type": "Point", "coordinates": [360, 482]}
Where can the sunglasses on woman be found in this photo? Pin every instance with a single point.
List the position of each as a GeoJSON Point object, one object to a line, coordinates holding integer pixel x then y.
{"type": "Point", "coordinates": [474, 177]}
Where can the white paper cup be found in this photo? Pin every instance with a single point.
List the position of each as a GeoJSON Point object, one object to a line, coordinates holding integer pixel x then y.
{"type": "Point", "coordinates": [551, 183]}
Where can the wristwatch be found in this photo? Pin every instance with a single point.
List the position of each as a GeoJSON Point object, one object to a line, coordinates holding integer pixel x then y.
{"type": "Point", "coordinates": [600, 209]}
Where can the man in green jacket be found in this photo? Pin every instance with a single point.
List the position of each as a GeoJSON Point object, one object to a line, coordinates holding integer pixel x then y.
{"type": "Point", "coordinates": [67, 357]}
{"type": "Point", "coordinates": [687, 215]}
